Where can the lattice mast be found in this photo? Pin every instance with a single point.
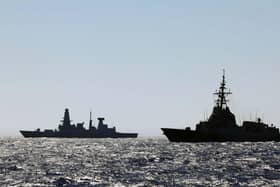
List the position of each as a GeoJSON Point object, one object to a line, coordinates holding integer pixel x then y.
{"type": "Point", "coordinates": [222, 94]}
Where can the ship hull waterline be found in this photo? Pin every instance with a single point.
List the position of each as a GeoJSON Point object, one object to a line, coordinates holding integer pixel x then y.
{"type": "Point", "coordinates": [35, 134]}
{"type": "Point", "coordinates": [182, 135]}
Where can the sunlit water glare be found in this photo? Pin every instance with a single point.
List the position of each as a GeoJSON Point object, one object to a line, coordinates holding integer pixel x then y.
{"type": "Point", "coordinates": [136, 162]}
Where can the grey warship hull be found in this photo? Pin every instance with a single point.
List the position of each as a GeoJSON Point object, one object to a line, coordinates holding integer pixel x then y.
{"type": "Point", "coordinates": [236, 135]}
{"type": "Point", "coordinates": [221, 126]}
{"type": "Point", "coordinates": [35, 134]}
{"type": "Point", "coordinates": [68, 130]}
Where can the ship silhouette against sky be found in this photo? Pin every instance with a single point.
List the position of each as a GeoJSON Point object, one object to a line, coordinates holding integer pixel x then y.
{"type": "Point", "coordinates": [221, 126]}
{"type": "Point", "coordinates": [68, 130]}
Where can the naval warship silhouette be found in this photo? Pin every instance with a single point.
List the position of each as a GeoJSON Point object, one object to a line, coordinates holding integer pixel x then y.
{"type": "Point", "coordinates": [68, 130]}
{"type": "Point", "coordinates": [221, 126]}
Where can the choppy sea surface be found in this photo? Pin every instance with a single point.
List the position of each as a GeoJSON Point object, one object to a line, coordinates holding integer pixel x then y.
{"type": "Point", "coordinates": [136, 162]}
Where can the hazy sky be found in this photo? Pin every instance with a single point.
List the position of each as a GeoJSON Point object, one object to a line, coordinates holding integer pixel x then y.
{"type": "Point", "coordinates": [140, 64]}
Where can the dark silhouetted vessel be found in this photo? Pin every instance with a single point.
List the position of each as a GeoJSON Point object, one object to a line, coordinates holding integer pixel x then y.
{"type": "Point", "coordinates": [68, 130]}
{"type": "Point", "coordinates": [221, 126]}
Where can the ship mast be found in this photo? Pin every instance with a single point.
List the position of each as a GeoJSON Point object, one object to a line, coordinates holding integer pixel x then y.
{"type": "Point", "coordinates": [66, 119]}
{"type": "Point", "coordinates": [222, 94]}
{"type": "Point", "coordinates": [90, 120]}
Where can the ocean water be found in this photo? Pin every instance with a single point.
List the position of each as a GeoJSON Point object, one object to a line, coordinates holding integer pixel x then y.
{"type": "Point", "coordinates": [136, 162]}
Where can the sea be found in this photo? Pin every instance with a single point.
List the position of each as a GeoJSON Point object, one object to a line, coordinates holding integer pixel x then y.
{"type": "Point", "coordinates": [136, 162]}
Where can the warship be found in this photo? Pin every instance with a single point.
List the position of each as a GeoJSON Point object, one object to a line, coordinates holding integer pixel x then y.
{"type": "Point", "coordinates": [221, 126]}
{"type": "Point", "coordinates": [68, 130]}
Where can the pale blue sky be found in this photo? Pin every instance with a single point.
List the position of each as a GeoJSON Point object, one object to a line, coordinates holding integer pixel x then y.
{"type": "Point", "coordinates": [140, 64]}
